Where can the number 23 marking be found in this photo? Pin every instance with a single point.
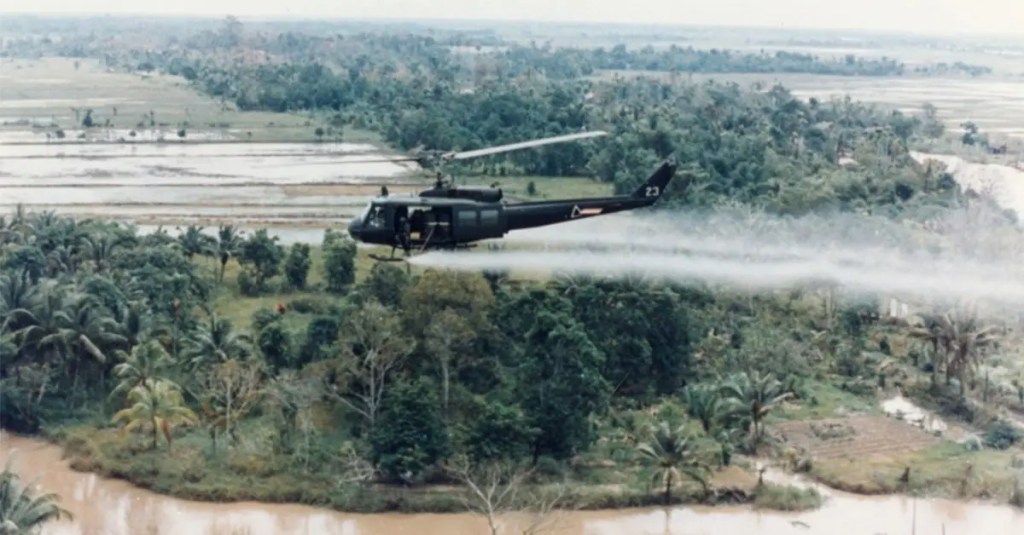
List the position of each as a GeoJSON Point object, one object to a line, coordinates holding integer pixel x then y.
{"type": "Point", "coordinates": [652, 191]}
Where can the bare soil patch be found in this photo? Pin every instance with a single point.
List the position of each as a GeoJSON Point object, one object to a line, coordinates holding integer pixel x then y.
{"type": "Point", "coordinates": [858, 436]}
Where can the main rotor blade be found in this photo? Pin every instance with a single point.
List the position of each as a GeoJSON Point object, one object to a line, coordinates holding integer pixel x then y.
{"type": "Point", "coordinates": [344, 162]}
{"type": "Point", "coordinates": [521, 145]}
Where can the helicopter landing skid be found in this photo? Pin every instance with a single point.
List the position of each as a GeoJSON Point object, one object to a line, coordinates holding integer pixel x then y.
{"type": "Point", "coordinates": [387, 258]}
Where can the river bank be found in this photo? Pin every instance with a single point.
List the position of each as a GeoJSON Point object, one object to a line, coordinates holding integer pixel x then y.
{"type": "Point", "coordinates": [115, 507]}
{"type": "Point", "coordinates": [189, 472]}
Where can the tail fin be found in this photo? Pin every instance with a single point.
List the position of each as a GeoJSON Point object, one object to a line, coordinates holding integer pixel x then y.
{"type": "Point", "coordinates": [654, 188]}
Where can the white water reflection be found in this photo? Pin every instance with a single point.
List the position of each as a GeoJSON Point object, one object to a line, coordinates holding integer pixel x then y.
{"type": "Point", "coordinates": [904, 409]}
{"type": "Point", "coordinates": [258, 184]}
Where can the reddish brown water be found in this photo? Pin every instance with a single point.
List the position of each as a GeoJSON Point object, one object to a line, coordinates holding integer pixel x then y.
{"type": "Point", "coordinates": [109, 507]}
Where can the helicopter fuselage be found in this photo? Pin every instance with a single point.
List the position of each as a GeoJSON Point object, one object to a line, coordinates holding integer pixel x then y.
{"type": "Point", "coordinates": [436, 220]}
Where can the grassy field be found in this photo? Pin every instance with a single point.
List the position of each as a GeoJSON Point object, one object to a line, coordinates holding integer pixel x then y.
{"type": "Point", "coordinates": [39, 96]}
{"type": "Point", "coordinates": [232, 305]}
{"type": "Point", "coordinates": [946, 470]}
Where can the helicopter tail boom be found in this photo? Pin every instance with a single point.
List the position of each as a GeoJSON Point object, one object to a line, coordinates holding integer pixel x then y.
{"type": "Point", "coordinates": [654, 187]}
{"type": "Point", "coordinates": [536, 214]}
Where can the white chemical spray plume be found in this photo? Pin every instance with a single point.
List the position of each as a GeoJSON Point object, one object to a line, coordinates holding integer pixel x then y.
{"type": "Point", "coordinates": [962, 256]}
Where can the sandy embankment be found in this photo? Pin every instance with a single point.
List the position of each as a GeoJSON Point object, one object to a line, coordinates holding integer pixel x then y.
{"type": "Point", "coordinates": [1004, 182]}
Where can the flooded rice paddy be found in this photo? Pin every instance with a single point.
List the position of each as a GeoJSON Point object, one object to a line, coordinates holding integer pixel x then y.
{"type": "Point", "coordinates": [995, 104]}
{"type": "Point", "coordinates": [251, 184]}
{"type": "Point", "coordinates": [113, 507]}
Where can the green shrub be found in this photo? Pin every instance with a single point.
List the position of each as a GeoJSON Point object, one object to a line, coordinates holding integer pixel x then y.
{"type": "Point", "coordinates": [972, 443]}
{"type": "Point", "coordinates": [247, 284]}
{"type": "Point", "coordinates": [263, 317]}
{"type": "Point", "coordinates": [786, 498]}
{"type": "Point", "coordinates": [1002, 435]}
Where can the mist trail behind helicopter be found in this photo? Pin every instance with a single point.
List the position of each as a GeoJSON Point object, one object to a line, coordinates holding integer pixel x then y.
{"type": "Point", "coordinates": [960, 258]}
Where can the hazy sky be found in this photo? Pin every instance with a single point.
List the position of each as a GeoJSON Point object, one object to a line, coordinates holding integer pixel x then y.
{"type": "Point", "coordinates": [932, 16]}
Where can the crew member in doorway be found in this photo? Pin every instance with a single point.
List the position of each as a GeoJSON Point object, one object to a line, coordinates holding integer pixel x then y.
{"type": "Point", "coordinates": [404, 230]}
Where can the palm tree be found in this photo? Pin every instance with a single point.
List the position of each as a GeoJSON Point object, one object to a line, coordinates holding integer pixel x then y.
{"type": "Point", "coordinates": [141, 367]}
{"type": "Point", "coordinates": [21, 509]}
{"type": "Point", "coordinates": [757, 394]}
{"type": "Point", "coordinates": [15, 292]}
{"type": "Point", "coordinates": [88, 326]}
{"type": "Point", "coordinates": [705, 403]}
{"type": "Point", "coordinates": [672, 452]}
{"type": "Point", "coordinates": [968, 340]}
{"type": "Point", "coordinates": [38, 223]}
{"type": "Point", "coordinates": [13, 230]}
{"type": "Point", "coordinates": [37, 328]}
{"type": "Point", "coordinates": [99, 246]}
{"type": "Point", "coordinates": [216, 341]}
{"type": "Point", "coordinates": [568, 283]}
{"type": "Point", "coordinates": [61, 259]}
{"type": "Point", "coordinates": [226, 246]}
{"type": "Point", "coordinates": [157, 403]}
{"type": "Point", "coordinates": [194, 242]}
{"type": "Point", "coordinates": [134, 323]}
{"type": "Point", "coordinates": [58, 239]}
{"type": "Point", "coordinates": [933, 334]}
{"type": "Point", "coordinates": [59, 326]}
{"type": "Point", "coordinates": [958, 339]}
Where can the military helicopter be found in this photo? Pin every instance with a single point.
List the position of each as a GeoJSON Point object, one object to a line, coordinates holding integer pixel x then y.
{"type": "Point", "coordinates": [452, 217]}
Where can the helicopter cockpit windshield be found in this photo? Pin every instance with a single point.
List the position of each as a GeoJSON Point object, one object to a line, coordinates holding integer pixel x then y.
{"type": "Point", "coordinates": [373, 216]}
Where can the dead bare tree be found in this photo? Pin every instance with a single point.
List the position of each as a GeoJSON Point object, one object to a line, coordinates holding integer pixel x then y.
{"type": "Point", "coordinates": [496, 488]}
{"type": "Point", "coordinates": [493, 487]}
{"type": "Point", "coordinates": [228, 394]}
{"type": "Point", "coordinates": [355, 468]}
{"type": "Point", "coordinates": [545, 510]}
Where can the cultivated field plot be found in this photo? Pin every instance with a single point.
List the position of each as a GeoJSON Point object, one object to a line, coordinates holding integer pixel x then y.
{"type": "Point", "coordinates": [251, 169]}
{"type": "Point", "coordinates": [251, 184]}
{"type": "Point", "coordinates": [855, 436]}
{"type": "Point", "coordinates": [38, 97]}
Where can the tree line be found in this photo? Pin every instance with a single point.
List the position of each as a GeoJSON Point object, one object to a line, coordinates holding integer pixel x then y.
{"type": "Point", "coordinates": [760, 145]}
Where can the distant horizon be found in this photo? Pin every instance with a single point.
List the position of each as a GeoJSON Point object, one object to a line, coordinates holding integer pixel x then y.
{"type": "Point", "coordinates": [994, 18]}
{"type": "Point", "coordinates": [264, 18]}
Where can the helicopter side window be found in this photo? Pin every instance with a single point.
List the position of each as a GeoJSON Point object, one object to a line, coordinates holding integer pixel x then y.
{"type": "Point", "coordinates": [488, 217]}
{"type": "Point", "coordinates": [375, 217]}
{"type": "Point", "coordinates": [467, 218]}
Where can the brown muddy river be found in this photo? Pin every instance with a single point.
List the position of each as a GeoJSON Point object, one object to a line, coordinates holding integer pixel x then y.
{"type": "Point", "coordinates": [110, 507]}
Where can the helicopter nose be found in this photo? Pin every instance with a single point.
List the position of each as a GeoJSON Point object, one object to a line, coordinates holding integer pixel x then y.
{"type": "Point", "coordinates": [354, 227]}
